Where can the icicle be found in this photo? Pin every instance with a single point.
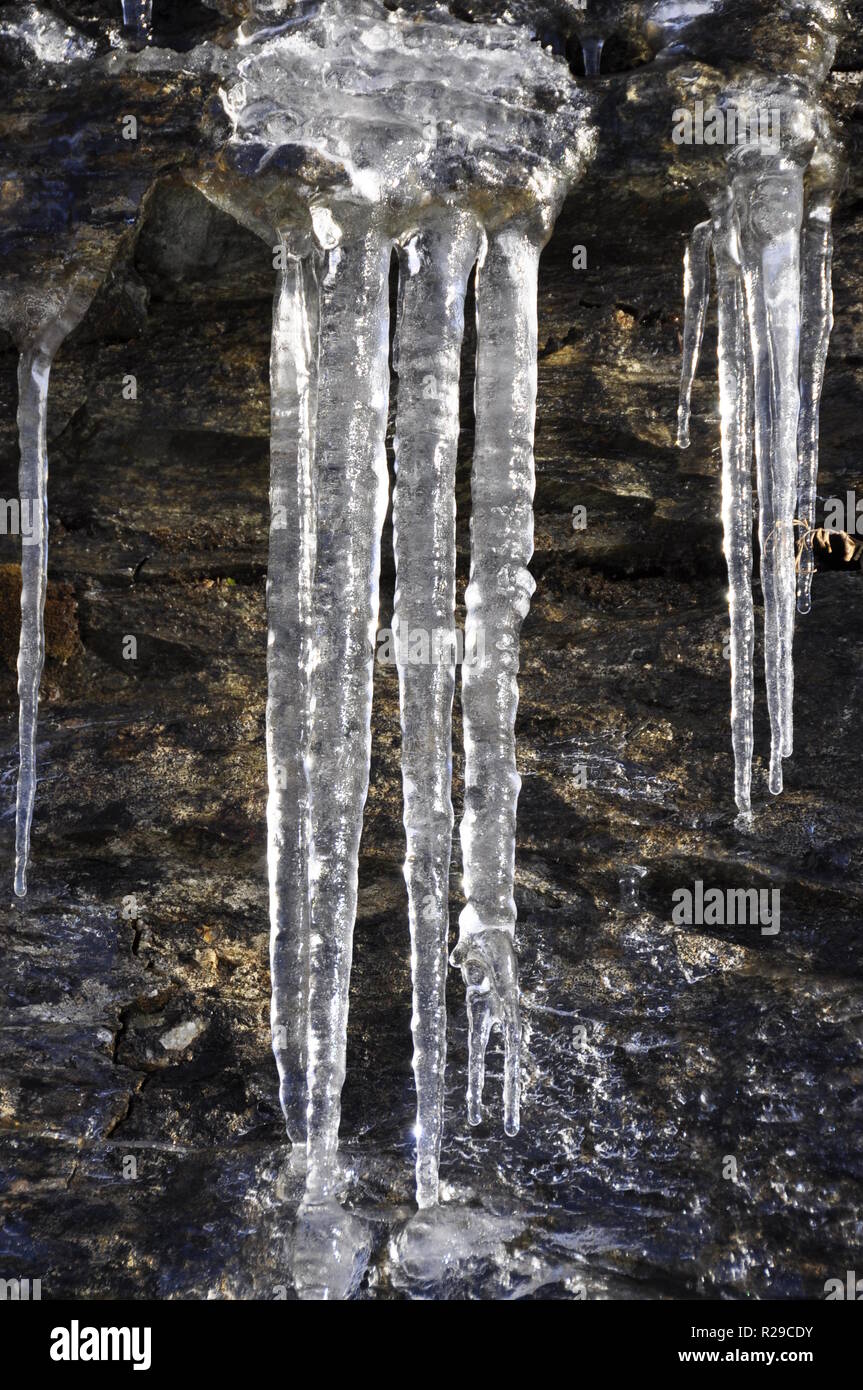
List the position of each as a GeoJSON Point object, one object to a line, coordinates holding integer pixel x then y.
{"type": "Point", "coordinates": [736, 411]}
{"type": "Point", "coordinates": [390, 129]}
{"type": "Point", "coordinates": [498, 598]}
{"type": "Point", "coordinates": [434, 267]}
{"type": "Point", "coordinates": [34, 370]}
{"type": "Point", "coordinates": [696, 291]}
{"type": "Point", "coordinates": [816, 326]}
{"type": "Point", "coordinates": [591, 50]}
{"type": "Point", "coordinates": [771, 372]}
{"type": "Point", "coordinates": [351, 498]}
{"type": "Point", "coordinates": [293, 373]}
{"type": "Point", "coordinates": [769, 210]}
{"type": "Point", "coordinates": [339, 404]}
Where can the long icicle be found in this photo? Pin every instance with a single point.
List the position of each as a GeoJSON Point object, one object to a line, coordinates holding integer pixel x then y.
{"type": "Point", "coordinates": [433, 272]}
{"type": "Point", "coordinates": [816, 302]}
{"type": "Point", "coordinates": [34, 370]}
{"type": "Point", "coordinates": [736, 412]}
{"type": "Point", "coordinates": [351, 486]}
{"type": "Point", "coordinates": [498, 598]}
{"type": "Point", "coordinates": [351, 493]}
{"type": "Point", "coordinates": [769, 212]}
{"type": "Point", "coordinates": [293, 385]}
{"type": "Point", "coordinates": [696, 291]}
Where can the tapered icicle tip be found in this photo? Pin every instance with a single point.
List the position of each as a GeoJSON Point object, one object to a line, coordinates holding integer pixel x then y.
{"type": "Point", "coordinates": [511, 1080]}
{"type": "Point", "coordinates": [804, 579]}
{"type": "Point", "coordinates": [696, 291]}
{"type": "Point", "coordinates": [511, 1121]}
{"type": "Point", "coordinates": [34, 369]}
{"type": "Point", "coordinates": [479, 1029]}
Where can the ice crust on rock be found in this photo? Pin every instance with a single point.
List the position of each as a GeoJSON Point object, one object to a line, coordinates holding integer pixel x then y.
{"type": "Point", "coordinates": [399, 113]}
{"type": "Point", "coordinates": [44, 35]}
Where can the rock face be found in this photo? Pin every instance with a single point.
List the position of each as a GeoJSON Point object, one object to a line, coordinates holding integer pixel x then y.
{"type": "Point", "coordinates": [691, 1103]}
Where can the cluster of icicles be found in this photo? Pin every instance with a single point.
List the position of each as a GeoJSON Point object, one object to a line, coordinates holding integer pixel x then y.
{"type": "Point", "coordinates": [329, 394]}
{"type": "Point", "coordinates": [330, 377]}
{"type": "Point", "coordinates": [770, 232]}
{"type": "Point", "coordinates": [475, 193]}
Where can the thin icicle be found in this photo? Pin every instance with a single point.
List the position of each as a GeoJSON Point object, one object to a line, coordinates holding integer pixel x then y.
{"type": "Point", "coordinates": [434, 267]}
{"type": "Point", "coordinates": [696, 292]}
{"type": "Point", "coordinates": [769, 211]}
{"type": "Point", "coordinates": [293, 382]}
{"type": "Point", "coordinates": [816, 326]}
{"type": "Point", "coordinates": [498, 598]}
{"type": "Point", "coordinates": [736, 410]}
{"type": "Point", "coordinates": [34, 370]}
{"type": "Point", "coordinates": [351, 486]}
{"type": "Point", "coordinates": [773, 268]}
{"type": "Point", "coordinates": [350, 499]}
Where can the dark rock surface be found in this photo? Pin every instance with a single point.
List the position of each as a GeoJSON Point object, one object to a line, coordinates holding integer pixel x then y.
{"type": "Point", "coordinates": [141, 1147]}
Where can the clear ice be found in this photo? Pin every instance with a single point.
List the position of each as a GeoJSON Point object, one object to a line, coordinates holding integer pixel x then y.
{"type": "Point", "coordinates": [770, 234]}
{"type": "Point", "coordinates": [438, 156]}
{"type": "Point", "coordinates": [34, 371]}
{"type": "Point", "coordinates": [451, 148]}
{"type": "Point", "coordinates": [360, 135]}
